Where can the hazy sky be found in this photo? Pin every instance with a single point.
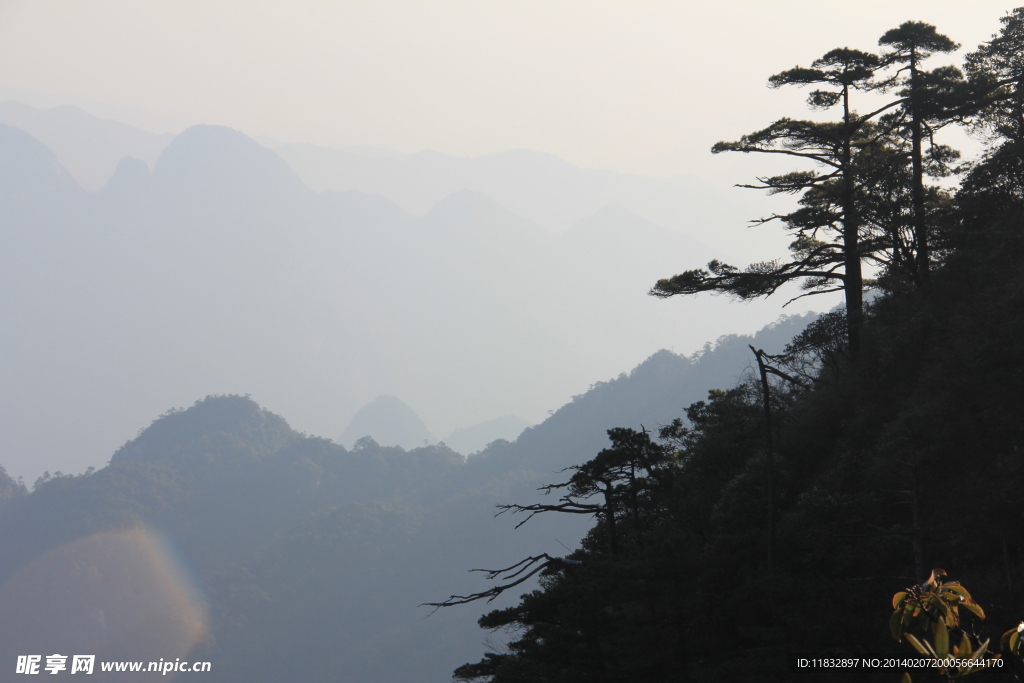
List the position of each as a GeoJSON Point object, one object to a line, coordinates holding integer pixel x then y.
{"type": "Point", "coordinates": [599, 83]}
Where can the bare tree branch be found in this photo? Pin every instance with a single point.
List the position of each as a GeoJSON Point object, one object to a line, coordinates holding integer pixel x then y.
{"type": "Point", "coordinates": [530, 565]}
{"type": "Point", "coordinates": [567, 505]}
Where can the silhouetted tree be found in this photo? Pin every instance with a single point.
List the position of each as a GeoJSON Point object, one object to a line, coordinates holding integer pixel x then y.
{"type": "Point", "coordinates": [926, 99]}
{"type": "Point", "coordinates": [997, 69]}
{"type": "Point", "coordinates": [827, 226]}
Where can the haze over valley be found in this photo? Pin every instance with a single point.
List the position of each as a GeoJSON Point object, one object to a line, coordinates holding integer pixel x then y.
{"type": "Point", "coordinates": [219, 270]}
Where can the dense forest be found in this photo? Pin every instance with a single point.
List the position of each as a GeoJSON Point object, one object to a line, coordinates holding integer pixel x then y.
{"type": "Point", "coordinates": [781, 515]}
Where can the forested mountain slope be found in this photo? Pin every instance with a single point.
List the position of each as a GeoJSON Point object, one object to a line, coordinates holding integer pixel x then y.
{"type": "Point", "coordinates": [293, 543]}
{"type": "Point", "coordinates": [903, 459]}
{"type": "Point", "coordinates": [852, 502]}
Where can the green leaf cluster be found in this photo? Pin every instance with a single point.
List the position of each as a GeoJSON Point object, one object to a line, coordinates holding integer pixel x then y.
{"type": "Point", "coordinates": [933, 610]}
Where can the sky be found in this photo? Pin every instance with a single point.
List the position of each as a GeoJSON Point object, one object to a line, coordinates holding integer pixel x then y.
{"type": "Point", "coordinates": [644, 86]}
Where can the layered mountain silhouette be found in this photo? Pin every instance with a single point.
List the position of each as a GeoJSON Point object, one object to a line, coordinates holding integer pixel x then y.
{"type": "Point", "coordinates": [220, 166]}
{"type": "Point", "coordinates": [221, 271]}
{"type": "Point", "coordinates": [90, 148]}
{"type": "Point", "coordinates": [389, 422]}
{"type": "Point", "coordinates": [542, 188]}
{"type": "Point", "coordinates": [292, 543]}
{"type": "Point", "coordinates": [32, 182]}
{"type": "Point", "coordinates": [475, 438]}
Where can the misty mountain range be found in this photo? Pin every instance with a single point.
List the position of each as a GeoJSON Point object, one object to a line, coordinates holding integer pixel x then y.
{"type": "Point", "coordinates": [220, 270]}
{"type": "Point", "coordinates": [390, 422]}
{"type": "Point", "coordinates": [88, 147]}
{"type": "Point", "coordinates": [542, 188]}
{"type": "Point", "coordinates": [297, 545]}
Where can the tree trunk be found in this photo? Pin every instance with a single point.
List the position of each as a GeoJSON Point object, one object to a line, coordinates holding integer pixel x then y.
{"type": "Point", "coordinates": [770, 463]}
{"type": "Point", "coordinates": [917, 159]}
{"type": "Point", "coordinates": [853, 286]}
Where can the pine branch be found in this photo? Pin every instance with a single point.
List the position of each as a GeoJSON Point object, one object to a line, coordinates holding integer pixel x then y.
{"type": "Point", "coordinates": [512, 575]}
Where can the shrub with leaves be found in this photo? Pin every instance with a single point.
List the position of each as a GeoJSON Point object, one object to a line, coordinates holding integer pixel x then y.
{"type": "Point", "coordinates": [932, 609]}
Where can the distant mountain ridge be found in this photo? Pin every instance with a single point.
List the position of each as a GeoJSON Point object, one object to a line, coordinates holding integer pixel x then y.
{"type": "Point", "coordinates": [542, 188]}
{"type": "Point", "coordinates": [217, 161]}
{"type": "Point", "coordinates": [545, 189]}
{"type": "Point", "coordinates": [651, 395]}
{"type": "Point", "coordinates": [179, 431]}
{"type": "Point", "coordinates": [28, 168]}
{"type": "Point", "coordinates": [300, 545]}
{"type": "Point", "coordinates": [89, 147]}
{"type": "Point", "coordinates": [475, 438]}
{"type": "Point", "coordinates": [221, 272]}
{"type": "Point", "coordinates": [389, 422]}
